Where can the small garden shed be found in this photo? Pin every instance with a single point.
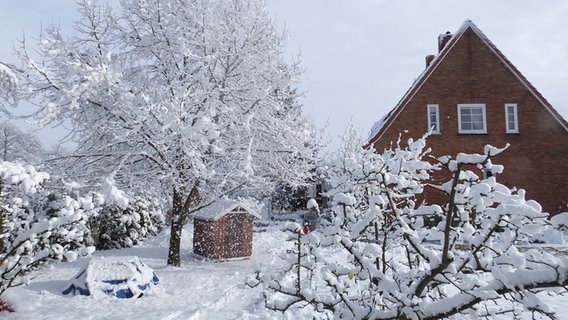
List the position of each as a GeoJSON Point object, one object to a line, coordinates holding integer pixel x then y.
{"type": "Point", "coordinates": [223, 230]}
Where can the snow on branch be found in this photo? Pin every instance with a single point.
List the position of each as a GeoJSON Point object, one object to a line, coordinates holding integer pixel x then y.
{"type": "Point", "coordinates": [383, 255]}
{"type": "Point", "coordinates": [8, 78]}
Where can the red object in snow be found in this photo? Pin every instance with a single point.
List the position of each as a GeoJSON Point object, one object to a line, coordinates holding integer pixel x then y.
{"type": "Point", "coordinates": [5, 307]}
{"type": "Point", "coordinates": [306, 229]}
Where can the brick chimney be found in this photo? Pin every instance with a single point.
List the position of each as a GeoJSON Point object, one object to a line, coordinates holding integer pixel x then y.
{"type": "Point", "coordinates": [429, 59]}
{"type": "Point", "coordinates": [443, 39]}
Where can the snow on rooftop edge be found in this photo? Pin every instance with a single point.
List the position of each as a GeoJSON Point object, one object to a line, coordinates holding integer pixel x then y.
{"type": "Point", "coordinates": [219, 208]}
{"type": "Point", "coordinates": [378, 125]}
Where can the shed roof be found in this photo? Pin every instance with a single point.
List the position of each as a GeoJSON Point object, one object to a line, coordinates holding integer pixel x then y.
{"type": "Point", "coordinates": [220, 208]}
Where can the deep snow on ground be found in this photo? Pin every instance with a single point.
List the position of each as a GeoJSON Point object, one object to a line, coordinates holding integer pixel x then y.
{"type": "Point", "coordinates": [200, 289]}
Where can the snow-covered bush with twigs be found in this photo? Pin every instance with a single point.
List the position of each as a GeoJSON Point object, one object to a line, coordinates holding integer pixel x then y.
{"type": "Point", "coordinates": [37, 226]}
{"type": "Point", "coordinates": [374, 260]}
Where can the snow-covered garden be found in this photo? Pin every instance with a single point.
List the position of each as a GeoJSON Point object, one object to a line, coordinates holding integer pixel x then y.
{"type": "Point", "coordinates": [175, 106]}
{"type": "Point", "coordinates": [199, 289]}
{"type": "Point", "coordinates": [369, 256]}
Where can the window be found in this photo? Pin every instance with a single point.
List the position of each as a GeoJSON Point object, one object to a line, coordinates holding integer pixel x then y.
{"type": "Point", "coordinates": [433, 118]}
{"type": "Point", "coordinates": [471, 118]}
{"type": "Point", "coordinates": [487, 173]}
{"type": "Point", "coordinates": [511, 120]}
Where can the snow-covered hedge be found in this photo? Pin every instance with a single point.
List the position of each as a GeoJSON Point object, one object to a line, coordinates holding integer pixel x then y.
{"type": "Point", "coordinates": [117, 226]}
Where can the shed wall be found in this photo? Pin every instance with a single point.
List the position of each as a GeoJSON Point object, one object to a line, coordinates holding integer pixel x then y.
{"type": "Point", "coordinates": [226, 238]}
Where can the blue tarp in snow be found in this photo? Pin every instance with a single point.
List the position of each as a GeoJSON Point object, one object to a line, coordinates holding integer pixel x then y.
{"type": "Point", "coordinates": [122, 277]}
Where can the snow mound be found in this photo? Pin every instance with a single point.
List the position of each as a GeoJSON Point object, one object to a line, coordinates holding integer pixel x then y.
{"type": "Point", "coordinates": [560, 221]}
{"type": "Point", "coordinates": [122, 277]}
{"type": "Point", "coordinates": [312, 204]}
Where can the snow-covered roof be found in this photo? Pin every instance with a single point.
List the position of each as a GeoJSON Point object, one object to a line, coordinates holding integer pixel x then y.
{"type": "Point", "coordinates": [219, 208]}
{"type": "Point", "coordinates": [386, 121]}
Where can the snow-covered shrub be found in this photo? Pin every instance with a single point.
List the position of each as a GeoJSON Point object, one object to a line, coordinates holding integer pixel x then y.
{"type": "Point", "coordinates": [36, 226]}
{"type": "Point", "coordinates": [121, 227]}
{"type": "Point", "coordinates": [560, 221]}
{"type": "Point", "coordinates": [373, 261]}
{"type": "Point", "coordinates": [8, 79]}
{"type": "Point", "coordinates": [555, 233]}
{"type": "Point", "coordinates": [55, 205]}
{"type": "Point", "coordinates": [287, 198]}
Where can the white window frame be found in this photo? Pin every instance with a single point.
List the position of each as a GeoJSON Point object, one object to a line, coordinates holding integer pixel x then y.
{"type": "Point", "coordinates": [463, 106]}
{"type": "Point", "coordinates": [434, 126]}
{"type": "Point", "coordinates": [515, 127]}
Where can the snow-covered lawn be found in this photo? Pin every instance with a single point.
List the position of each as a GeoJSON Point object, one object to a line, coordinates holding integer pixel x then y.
{"type": "Point", "coordinates": [200, 289]}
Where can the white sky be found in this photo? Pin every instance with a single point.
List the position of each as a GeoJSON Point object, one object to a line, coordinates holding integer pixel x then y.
{"type": "Point", "coordinates": [360, 56]}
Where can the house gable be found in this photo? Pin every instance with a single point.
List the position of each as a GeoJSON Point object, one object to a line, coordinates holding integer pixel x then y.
{"type": "Point", "coordinates": [468, 34]}
{"type": "Point", "coordinates": [474, 96]}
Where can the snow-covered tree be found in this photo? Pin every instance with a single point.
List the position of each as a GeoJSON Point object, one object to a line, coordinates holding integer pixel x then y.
{"type": "Point", "coordinates": [36, 226]}
{"type": "Point", "coordinates": [193, 95]}
{"type": "Point", "coordinates": [377, 260]}
{"type": "Point", "coordinates": [8, 86]}
{"type": "Point", "coordinates": [16, 144]}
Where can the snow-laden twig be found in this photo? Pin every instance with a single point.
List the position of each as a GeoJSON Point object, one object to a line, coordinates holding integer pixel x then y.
{"type": "Point", "coordinates": [379, 260]}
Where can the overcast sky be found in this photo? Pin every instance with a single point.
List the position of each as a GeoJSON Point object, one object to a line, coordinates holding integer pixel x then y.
{"type": "Point", "coordinates": [360, 56]}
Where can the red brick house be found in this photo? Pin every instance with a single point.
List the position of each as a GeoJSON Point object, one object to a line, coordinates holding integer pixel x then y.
{"type": "Point", "coordinates": [471, 95]}
{"type": "Point", "coordinates": [223, 230]}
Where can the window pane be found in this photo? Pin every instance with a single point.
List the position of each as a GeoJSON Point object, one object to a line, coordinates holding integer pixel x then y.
{"type": "Point", "coordinates": [433, 118]}
{"type": "Point", "coordinates": [477, 125]}
{"type": "Point", "coordinates": [511, 120]}
{"type": "Point", "coordinates": [433, 123]}
{"type": "Point", "coordinates": [511, 117]}
{"type": "Point", "coordinates": [472, 118]}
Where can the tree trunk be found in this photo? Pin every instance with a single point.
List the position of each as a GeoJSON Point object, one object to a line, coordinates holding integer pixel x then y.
{"type": "Point", "coordinates": [174, 252]}
{"type": "Point", "coordinates": [180, 215]}
{"type": "Point", "coordinates": [299, 282]}
{"type": "Point", "coordinates": [2, 218]}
